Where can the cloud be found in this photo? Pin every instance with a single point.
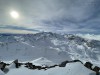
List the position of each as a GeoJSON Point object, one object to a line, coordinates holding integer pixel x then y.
{"type": "Point", "coordinates": [14, 31]}
{"type": "Point", "coordinates": [17, 28]}
{"type": "Point", "coordinates": [72, 10]}
{"type": "Point", "coordinates": [70, 16]}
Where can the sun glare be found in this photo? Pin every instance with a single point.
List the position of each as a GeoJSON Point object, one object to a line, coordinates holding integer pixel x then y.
{"type": "Point", "coordinates": [14, 14]}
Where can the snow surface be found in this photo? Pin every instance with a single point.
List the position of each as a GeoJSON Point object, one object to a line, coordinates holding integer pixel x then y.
{"type": "Point", "coordinates": [1, 73]}
{"type": "Point", "coordinates": [70, 69]}
{"type": "Point", "coordinates": [90, 36]}
{"type": "Point", "coordinates": [42, 62]}
{"type": "Point", "coordinates": [48, 49]}
{"type": "Point", "coordinates": [11, 66]}
{"type": "Point", "coordinates": [54, 47]}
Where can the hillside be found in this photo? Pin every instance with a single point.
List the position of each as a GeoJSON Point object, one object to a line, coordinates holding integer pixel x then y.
{"type": "Point", "coordinates": [55, 47]}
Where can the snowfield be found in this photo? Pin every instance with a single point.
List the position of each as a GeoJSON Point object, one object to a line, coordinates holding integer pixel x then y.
{"type": "Point", "coordinates": [47, 49]}
{"type": "Point", "coordinates": [70, 69]}
{"type": "Point", "coordinates": [52, 46]}
{"type": "Point", "coordinates": [42, 62]}
{"type": "Point", "coordinates": [1, 73]}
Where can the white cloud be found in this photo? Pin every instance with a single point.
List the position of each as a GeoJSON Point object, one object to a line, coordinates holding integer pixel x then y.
{"type": "Point", "coordinates": [16, 31]}
{"type": "Point", "coordinates": [64, 15]}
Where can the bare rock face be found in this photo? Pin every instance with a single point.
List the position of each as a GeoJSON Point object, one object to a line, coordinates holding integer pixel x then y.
{"type": "Point", "coordinates": [88, 65]}
{"type": "Point", "coordinates": [2, 65]}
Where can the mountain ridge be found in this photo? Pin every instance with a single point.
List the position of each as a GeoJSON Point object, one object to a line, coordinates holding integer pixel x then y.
{"type": "Point", "coordinates": [53, 46]}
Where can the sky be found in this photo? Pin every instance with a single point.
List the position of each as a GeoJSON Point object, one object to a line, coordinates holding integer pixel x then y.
{"type": "Point", "coordinates": [60, 16]}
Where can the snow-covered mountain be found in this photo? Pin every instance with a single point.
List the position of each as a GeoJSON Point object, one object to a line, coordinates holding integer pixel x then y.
{"type": "Point", "coordinates": [54, 47]}
{"type": "Point", "coordinates": [42, 62]}
{"type": "Point", "coordinates": [70, 69]}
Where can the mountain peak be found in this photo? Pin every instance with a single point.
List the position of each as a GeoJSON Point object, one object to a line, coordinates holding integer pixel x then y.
{"type": "Point", "coordinates": [52, 46]}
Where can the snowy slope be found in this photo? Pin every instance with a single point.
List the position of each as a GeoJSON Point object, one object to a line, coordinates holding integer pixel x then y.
{"type": "Point", "coordinates": [70, 69]}
{"type": "Point", "coordinates": [1, 73]}
{"type": "Point", "coordinates": [90, 36]}
{"type": "Point", "coordinates": [54, 47]}
{"type": "Point", "coordinates": [42, 62]}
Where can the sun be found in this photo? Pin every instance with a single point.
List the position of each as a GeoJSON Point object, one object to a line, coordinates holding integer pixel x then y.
{"type": "Point", "coordinates": [14, 14]}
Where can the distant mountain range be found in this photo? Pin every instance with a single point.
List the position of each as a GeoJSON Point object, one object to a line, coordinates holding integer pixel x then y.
{"type": "Point", "coordinates": [55, 47]}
